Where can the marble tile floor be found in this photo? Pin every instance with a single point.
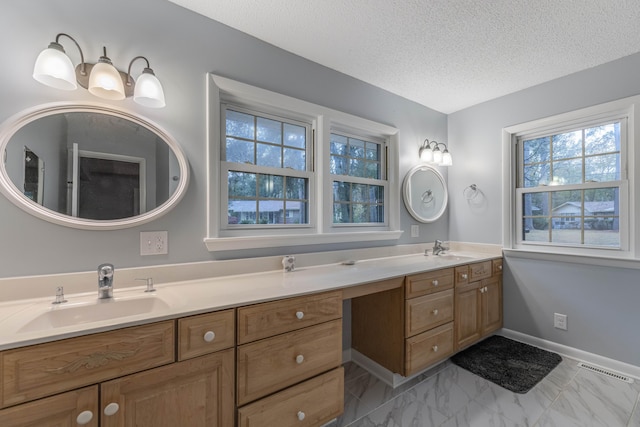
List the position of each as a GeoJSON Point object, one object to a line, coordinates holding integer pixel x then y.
{"type": "Point", "coordinates": [449, 396]}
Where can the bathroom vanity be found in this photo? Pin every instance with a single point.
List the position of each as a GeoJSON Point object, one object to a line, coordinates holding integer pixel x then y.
{"type": "Point", "coordinates": [252, 360]}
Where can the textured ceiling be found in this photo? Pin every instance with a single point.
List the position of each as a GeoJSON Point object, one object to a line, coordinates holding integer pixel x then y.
{"type": "Point", "coordinates": [444, 54]}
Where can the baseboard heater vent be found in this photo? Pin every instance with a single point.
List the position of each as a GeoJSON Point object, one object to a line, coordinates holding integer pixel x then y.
{"type": "Point", "coordinates": [607, 373]}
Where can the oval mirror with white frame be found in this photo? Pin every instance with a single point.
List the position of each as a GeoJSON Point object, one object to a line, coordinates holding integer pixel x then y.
{"type": "Point", "coordinates": [90, 166]}
{"type": "Point", "coordinates": [425, 193]}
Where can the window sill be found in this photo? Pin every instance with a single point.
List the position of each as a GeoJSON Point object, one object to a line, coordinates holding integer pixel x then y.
{"type": "Point", "coordinates": [598, 260]}
{"type": "Point", "coordinates": [217, 244]}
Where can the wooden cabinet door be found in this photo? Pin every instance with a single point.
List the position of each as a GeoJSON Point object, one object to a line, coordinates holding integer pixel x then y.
{"type": "Point", "coordinates": [74, 408]}
{"type": "Point", "coordinates": [468, 319]}
{"type": "Point", "coordinates": [198, 392]}
{"type": "Point", "coordinates": [491, 304]}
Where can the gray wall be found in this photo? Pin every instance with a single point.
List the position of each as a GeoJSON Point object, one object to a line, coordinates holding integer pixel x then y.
{"type": "Point", "coordinates": [601, 302]}
{"type": "Point", "coordinates": [181, 47]}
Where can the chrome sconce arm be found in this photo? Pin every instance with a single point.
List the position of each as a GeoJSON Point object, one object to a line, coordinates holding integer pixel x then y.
{"type": "Point", "coordinates": [430, 152]}
{"type": "Point", "coordinates": [54, 68]}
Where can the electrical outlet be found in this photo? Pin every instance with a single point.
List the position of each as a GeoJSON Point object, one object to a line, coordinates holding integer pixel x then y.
{"type": "Point", "coordinates": [154, 243]}
{"type": "Point", "coordinates": [415, 231]}
{"type": "Point", "coordinates": [560, 321]}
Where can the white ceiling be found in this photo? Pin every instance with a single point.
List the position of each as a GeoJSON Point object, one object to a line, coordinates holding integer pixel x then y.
{"type": "Point", "coordinates": [444, 54]}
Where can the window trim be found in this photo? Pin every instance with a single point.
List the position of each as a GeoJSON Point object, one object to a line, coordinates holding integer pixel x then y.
{"type": "Point", "coordinates": [627, 107]}
{"type": "Point", "coordinates": [221, 89]}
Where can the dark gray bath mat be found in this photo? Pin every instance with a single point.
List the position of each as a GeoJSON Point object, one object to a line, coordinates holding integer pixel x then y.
{"type": "Point", "coordinates": [510, 364]}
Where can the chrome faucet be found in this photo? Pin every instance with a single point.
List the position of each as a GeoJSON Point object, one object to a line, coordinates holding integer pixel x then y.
{"type": "Point", "coordinates": [438, 248]}
{"type": "Point", "coordinates": [105, 281]}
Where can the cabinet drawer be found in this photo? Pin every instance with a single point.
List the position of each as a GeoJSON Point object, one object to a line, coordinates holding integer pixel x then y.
{"type": "Point", "coordinates": [277, 317]}
{"type": "Point", "coordinates": [45, 369]}
{"type": "Point", "coordinates": [428, 311]}
{"type": "Point", "coordinates": [462, 275]}
{"type": "Point", "coordinates": [428, 348]}
{"type": "Point", "coordinates": [479, 271]}
{"type": "Point", "coordinates": [311, 403]}
{"type": "Point", "coordinates": [497, 266]}
{"type": "Point", "coordinates": [429, 282]}
{"type": "Point", "coordinates": [275, 363]}
{"type": "Point", "coordinates": [205, 333]}
{"type": "Point", "coordinates": [55, 411]}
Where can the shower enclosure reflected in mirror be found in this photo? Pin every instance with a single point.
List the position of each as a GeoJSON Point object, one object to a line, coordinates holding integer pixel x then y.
{"type": "Point", "coordinates": [106, 168]}
{"type": "Point", "coordinates": [425, 193]}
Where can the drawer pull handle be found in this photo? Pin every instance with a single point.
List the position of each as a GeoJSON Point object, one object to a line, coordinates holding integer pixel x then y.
{"type": "Point", "coordinates": [301, 415]}
{"type": "Point", "coordinates": [299, 315]}
{"type": "Point", "coordinates": [435, 348]}
{"type": "Point", "coordinates": [84, 417]}
{"type": "Point", "coordinates": [209, 336]}
{"type": "Point", "coordinates": [435, 282]}
{"type": "Point", "coordinates": [465, 276]}
{"type": "Point", "coordinates": [435, 312]}
{"type": "Point", "coordinates": [299, 359]}
{"type": "Point", "coordinates": [111, 408]}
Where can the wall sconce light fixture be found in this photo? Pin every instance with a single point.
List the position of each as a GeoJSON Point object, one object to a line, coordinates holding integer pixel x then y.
{"type": "Point", "coordinates": [54, 68]}
{"type": "Point", "coordinates": [430, 153]}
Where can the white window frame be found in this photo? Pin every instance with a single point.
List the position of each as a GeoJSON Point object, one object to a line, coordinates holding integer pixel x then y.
{"type": "Point", "coordinates": [321, 231]}
{"type": "Point", "coordinates": [627, 109]}
{"type": "Point", "coordinates": [225, 167]}
{"type": "Point", "coordinates": [340, 129]}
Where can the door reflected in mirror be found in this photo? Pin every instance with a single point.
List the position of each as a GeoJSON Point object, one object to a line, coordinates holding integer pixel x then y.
{"type": "Point", "coordinates": [105, 168]}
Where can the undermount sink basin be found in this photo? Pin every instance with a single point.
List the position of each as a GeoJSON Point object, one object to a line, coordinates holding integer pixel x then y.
{"type": "Point", "coordinates": [68, 314]}
{"type": "Point", "coordinates": [451, 257]}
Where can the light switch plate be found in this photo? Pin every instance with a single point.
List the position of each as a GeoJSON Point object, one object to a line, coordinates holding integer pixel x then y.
{"type": "Point", "coordinates": [415, 230]}
{"type": "Point", "coordinates": [154, 243]}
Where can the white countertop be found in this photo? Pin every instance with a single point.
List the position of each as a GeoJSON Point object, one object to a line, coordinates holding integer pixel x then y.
{"type": "Point", "coordinates": [184, 298]}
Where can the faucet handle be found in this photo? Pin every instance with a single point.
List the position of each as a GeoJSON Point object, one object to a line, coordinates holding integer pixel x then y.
{"type": "Point", "coordinates": [59, 295]}
{"type": "Point", "coordinates": [149, 281]}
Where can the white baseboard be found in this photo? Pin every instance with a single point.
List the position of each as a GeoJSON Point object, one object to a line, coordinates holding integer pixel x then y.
{"type": "Point", "coordinates": [574, 353]}
{"type": "Point", "coordinates": [383, 374]}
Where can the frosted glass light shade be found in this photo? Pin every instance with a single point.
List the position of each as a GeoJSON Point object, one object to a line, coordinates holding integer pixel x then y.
{"type": "Point", "coordinates": [426, 155]}
{"type": "Point", "coordinates": [54, 68]}
{"type": "Point", "coordinates": [437, 156]}
{"type": "Point", "coordinates": [446, 159]}
{"type": "Point", "coordinates": [105, 82]}
{"type": "Point", "coordinates": [148, 91]}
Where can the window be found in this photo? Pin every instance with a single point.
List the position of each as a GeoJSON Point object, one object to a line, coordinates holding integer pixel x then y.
{"type": "Point", "coordinates": [359, 187]}
{"type": "Point", "coordinates": [264, 163]}
{"type": "Point", "coordinates": [571, 190]}
{"type": "Point", "coordinates": [286, 172]}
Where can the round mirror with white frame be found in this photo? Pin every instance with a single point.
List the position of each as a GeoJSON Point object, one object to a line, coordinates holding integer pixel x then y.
{"type": "Point", "coordinates": [425, 193]}
{"type": "Point", "coordinates": [90, 166]}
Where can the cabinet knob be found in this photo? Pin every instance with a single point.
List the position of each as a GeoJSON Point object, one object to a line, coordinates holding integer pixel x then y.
{"type": "Point", "coordinates": [482, 290]}
{"type": "Point", "coordinates": [435, 348]}
{"type": "Point", "coordinates": [84, 417]}
{"type": "Point", "coordinates": [209, 336]}
{"type": "Point", "coordinates": [500, 267]}
{"type": "Point", "coordinates": [486, 289]}
{"type": "Point", "coordinates": [111, 408]}
{"type": "Point", "coordinates": [435, 282]}
{"type": "Point", "coordinates": [301, 415]}
{"type": "Point", "coordinates": [465, 276]}
{"type": "Point", "coordinates": [435, 312]}
{"type": "Point", "coordinates": [299, 359]}
{"type": "Point", "coordinates": [299, 315]}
